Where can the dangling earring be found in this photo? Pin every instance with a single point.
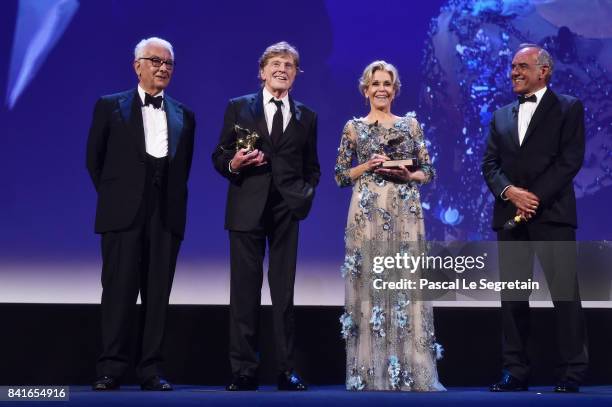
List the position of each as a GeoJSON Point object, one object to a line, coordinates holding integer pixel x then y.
{"type": "Point", "coordinates": [367, 100]}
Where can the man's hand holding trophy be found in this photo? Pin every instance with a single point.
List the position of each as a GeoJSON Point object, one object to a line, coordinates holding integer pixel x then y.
{"type": "Point", "coordinates": [246, 154]}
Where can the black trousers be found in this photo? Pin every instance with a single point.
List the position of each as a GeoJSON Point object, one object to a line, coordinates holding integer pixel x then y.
{"type": "Point", "coordinates": [555, 247]}
{"type": "Point", "coordinates": [139, 259]}
{"type": "Point", "coordinates": [247, 249]}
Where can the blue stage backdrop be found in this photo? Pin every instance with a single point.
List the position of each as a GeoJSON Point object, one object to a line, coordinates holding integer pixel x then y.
{"type": "Point", "coordinates": [453, 58]}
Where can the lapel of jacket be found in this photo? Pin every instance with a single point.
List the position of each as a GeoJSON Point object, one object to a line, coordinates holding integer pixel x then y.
{"type": "Point", "coordinates": [174, 119]}
{"type": "Point", "coordinates": [548, 100]}
{"type": "Point", "coordinates": [294, 122]}
{"type": "Point", "coordinates": [130, 106]}
{"type": "Point", "coordinates": [259, 116]}
{"type": "Point", "coordinates": [513, 120]}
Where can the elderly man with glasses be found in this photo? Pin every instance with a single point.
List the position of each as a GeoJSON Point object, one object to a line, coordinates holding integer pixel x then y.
{"type": "Point", "coordinates": [139, 155]}
{"type": "Point", "coordinates": [535, 149]}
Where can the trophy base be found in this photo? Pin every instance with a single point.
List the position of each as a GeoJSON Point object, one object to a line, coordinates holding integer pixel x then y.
{"type": "Point", "coordinates": [398, 163]}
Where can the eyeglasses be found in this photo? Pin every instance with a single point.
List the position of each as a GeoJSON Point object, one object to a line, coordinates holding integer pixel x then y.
{"type": "Point", "coordinates": [158, 62]}
{"type": "Point", "coordinates": [523, 66]}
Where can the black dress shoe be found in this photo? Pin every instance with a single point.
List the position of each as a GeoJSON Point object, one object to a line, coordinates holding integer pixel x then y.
{"type": "Point", "coordinates": [242, 383]}
{"type": "Point", "coordinates": [567, 387]}
{"type": "Point", "coordinates": [508, 383]}
{"type": "Point", "coordinates": [291, 381]}
{"type": "Point", "coordinates": [156, 383]}
{"type": "Point", "coordinates": [105, 383]}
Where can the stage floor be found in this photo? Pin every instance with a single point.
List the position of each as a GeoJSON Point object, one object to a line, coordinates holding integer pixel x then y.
{"type": "Point", "coordinates": [332, 396]}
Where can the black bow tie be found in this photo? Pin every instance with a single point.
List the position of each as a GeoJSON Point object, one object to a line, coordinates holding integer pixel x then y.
{"type": "Point", "coordinates": [155, 101]}
{"type": "Point", "coordinates": [522, 99]}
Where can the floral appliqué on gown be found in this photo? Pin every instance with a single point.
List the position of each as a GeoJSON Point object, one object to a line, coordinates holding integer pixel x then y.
{"type": "Point", "coordinates": [390, 341]}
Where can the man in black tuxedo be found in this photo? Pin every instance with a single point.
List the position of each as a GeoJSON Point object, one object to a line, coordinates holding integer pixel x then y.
{"type": "Point", "coordinates": [270, 190]}
{"type": "Point", "coordinates": [534, 150]}
{"type": "Point", "coordinates": [139, 155]}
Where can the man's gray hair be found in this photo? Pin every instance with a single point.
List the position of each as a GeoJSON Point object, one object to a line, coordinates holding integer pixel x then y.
{"type": "Point", "coordinates": [140, 47]}
{"type": "Point", "coordinates": [544, 58]}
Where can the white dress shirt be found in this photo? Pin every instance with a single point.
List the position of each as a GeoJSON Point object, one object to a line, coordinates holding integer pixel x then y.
{"type": "Point", "coordinates": [525, 113]}
{"type": "Point", "coordinates": [270, 109]}
{"type": "Point", "coordinates": [155, 127]}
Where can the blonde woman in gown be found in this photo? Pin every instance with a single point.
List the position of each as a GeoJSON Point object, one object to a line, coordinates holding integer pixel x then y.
{"type": "Point", "coordinates": [390, 342]}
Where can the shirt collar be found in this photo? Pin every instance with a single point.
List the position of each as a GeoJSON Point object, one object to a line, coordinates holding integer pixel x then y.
{"type": "Point", "coordinates": [141, 93]}
{"type": "Point", "coordinates": [267, 96]}
{"type": "Point", "coordinates": [539, 94]}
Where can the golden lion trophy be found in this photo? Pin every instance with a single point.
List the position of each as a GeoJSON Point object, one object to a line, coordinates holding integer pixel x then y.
{"type": "Point", "coordinates": [248, 140]}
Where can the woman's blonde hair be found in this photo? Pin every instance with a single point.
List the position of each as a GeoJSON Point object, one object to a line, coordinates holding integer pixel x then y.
{"type": "Point", "coordinates": [368, 73]}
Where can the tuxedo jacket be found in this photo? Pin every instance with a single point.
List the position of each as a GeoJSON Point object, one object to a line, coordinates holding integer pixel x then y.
{"type": "Point", "coordinates": [293, 164]}
{"type": "Point", "coordinates": [116, 160]}
{"type": "Point", "coordinates": [545, 163]}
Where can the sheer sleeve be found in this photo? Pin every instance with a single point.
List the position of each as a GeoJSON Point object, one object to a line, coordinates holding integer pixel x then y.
{"type": "Point", "coordinates": [346, 152]}
{"type": "Point", "coordinates": [421, 149]}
